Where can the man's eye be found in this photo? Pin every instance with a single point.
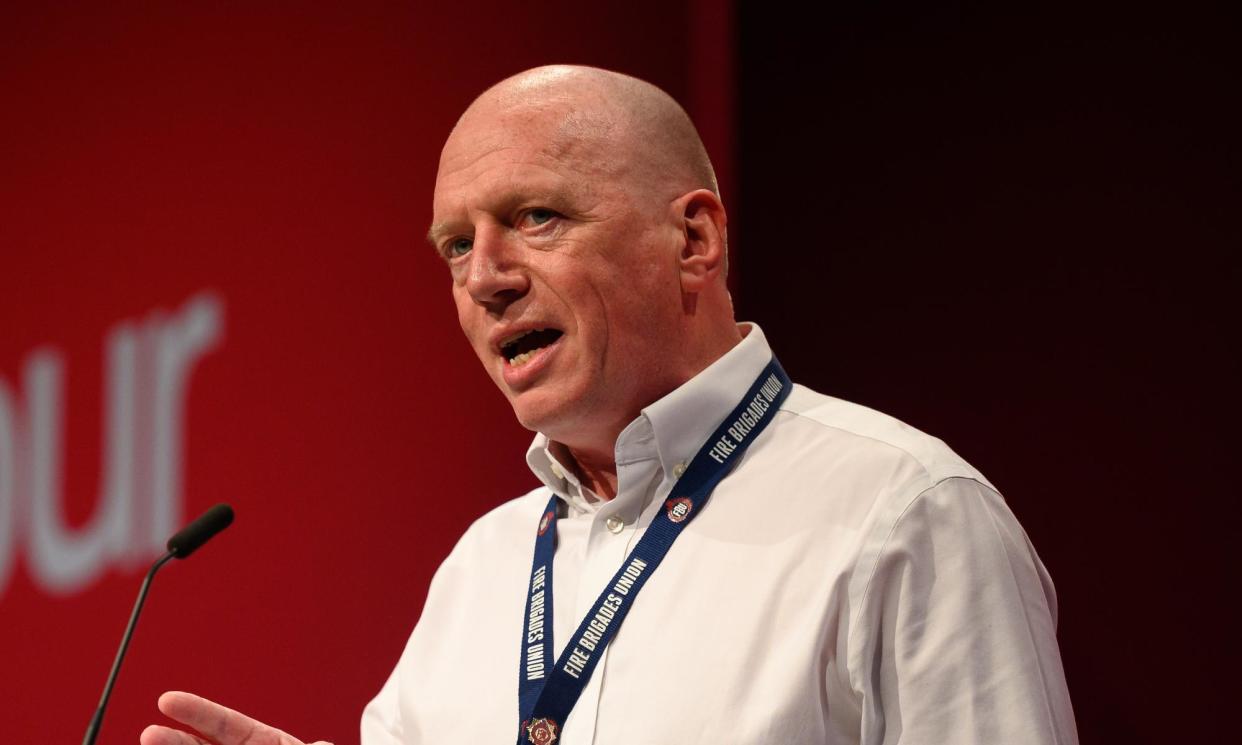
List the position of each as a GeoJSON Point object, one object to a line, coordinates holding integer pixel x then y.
{"type": "Point", "coordinates": [459, 247]}
{"type": "Point", "coordinates": [540, 216]}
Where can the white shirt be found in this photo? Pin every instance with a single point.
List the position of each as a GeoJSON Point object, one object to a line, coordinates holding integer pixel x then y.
{"type": "Point", "coordinates": [851, 581]}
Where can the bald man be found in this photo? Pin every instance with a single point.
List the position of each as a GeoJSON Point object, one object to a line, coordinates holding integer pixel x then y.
{"type": "Point", "coordinates": [851, 580]}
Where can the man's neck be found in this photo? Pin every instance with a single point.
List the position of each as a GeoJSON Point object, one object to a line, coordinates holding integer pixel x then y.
{"type": "Point", "coordinates": [599, 474]}
{"type": "Point", "coordinates": [592, 461]}
{"type": "Point", "coordinates": [595, 465]}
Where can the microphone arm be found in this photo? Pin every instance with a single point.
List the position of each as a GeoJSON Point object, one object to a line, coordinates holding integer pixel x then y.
{"type": "Point", "coordinates": [181, 545]}
{"type": "Point", "coordinates": [93, 730]}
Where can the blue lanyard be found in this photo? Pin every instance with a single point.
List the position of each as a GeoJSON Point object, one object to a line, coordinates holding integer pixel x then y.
{"type": "Point", "coordinates": [547, 690]}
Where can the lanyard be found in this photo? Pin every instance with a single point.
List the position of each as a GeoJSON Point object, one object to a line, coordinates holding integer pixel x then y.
{"type": "Point", "coordinates": [547, 691]}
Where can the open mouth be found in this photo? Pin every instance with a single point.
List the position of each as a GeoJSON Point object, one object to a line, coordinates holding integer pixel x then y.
{"type": "Point", "coordinates": [520, 349]}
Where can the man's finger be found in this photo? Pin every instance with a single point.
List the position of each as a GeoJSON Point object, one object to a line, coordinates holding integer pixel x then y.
{"type": "Point", "coordinates": [218, 723]}
{"type": "Point", "coordinates": [159, 735]}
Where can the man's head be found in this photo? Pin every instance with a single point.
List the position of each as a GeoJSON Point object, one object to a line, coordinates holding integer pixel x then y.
{"type": "Point", "coordinates": [578, 213]}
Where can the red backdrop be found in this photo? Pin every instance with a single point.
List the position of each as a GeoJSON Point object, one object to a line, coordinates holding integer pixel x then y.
{"type": "Point", "coordinates": [214, 287]}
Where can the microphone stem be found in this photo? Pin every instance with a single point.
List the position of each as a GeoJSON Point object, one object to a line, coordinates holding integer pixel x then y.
{"type": "Point", "coordinates": [93, 730]}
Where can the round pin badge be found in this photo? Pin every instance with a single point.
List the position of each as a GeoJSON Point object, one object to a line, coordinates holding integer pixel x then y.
{"type": "Point", "coordinates": [545, 522]}
{"type": "Point", "coordinates": [679, 508]}
{"type": "Point", "coordinates": [540, 731]}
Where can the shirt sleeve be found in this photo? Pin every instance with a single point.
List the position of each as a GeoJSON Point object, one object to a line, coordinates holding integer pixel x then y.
{"type": "Point", "coordinates": [381, 719]}
{"type": "Point", "coordinates": [955, 639]}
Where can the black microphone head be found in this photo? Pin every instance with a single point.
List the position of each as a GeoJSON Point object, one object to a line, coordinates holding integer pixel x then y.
{"type": "Point", "coordinates": [189, 538]}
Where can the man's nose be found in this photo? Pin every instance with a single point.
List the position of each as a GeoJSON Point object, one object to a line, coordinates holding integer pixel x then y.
{"type": "Point", "coordinates": [497, 276]}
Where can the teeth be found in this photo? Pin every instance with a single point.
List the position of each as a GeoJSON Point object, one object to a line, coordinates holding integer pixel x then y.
{"type": "Point", "coordinates": [522, 358]}
{"type": "Point", "coordinates": [519, 336]}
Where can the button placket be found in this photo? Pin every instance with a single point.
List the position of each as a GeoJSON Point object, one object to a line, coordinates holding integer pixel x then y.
{"type": "Point", "coordinates": [603, 557]}
{"type": "Point", "coordinates": [607, 554]}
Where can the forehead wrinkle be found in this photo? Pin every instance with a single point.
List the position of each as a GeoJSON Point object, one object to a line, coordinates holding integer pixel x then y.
{"type": "Point", "coordinates": [470, 158]}
{"type": "Point", "coordinates": [563, 126]}
{"type": "Point", "coordinates": [510, 182]}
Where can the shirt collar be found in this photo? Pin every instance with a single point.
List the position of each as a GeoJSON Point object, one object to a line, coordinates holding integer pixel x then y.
{"type": "Point", "coordinates": [679, 422]}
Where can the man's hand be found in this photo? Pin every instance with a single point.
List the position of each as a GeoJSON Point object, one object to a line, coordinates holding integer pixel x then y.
{"type": "Point", "coordinates": [215, 725]}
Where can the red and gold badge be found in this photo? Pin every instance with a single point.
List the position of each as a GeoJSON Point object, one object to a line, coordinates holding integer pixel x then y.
{"type": "Point", "coordinates": [679, 508]}
{"type": "Point", "coordinates": [541, 731]}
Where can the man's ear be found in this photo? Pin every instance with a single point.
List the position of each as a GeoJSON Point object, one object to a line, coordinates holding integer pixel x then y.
{"type": "Point", "coordinates": [704, 253]}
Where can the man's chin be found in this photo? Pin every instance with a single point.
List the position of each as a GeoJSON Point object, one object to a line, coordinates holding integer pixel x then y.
{"type": "Point", "coordinates": [536, 420]}
{"type": "Point", "coordinates": [538, 412]}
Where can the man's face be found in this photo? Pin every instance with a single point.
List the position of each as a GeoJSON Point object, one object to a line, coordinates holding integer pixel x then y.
{"type": "Point", "coordinates": [564, 276]}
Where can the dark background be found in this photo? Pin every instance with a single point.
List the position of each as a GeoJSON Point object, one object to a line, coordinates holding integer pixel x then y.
{"type": "Point", "coordinates": [1017, 230]}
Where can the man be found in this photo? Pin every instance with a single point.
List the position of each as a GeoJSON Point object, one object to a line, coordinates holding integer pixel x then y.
{"type": "Point", "coordinates": [851, 581]}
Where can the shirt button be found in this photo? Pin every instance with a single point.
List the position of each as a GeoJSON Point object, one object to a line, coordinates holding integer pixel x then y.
{"type": "Point", "coordinates": [615, 524]}
{"type": "Point", "coordinates": [678, 470]}
{"type": "Point", "coordinates": [557, 472]}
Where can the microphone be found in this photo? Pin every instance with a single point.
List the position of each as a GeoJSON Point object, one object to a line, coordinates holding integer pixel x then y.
{"type": "Point", "coordinates": [180, 546]}
{"type": "Point", "coordinates": [189, 538]}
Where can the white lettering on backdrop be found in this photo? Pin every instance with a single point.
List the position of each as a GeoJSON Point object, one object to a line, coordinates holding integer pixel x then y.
{"type": "Point", "coordinates": [146, 373]}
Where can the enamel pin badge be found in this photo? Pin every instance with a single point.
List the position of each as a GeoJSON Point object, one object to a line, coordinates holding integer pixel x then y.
{"type": "Point", "coordinates": [679, 508]}
{"type": "Point", "coordinates": [541, 731]}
